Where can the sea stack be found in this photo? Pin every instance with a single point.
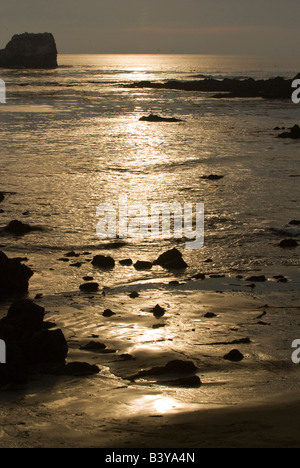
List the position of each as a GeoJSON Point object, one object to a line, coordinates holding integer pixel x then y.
{"type": "Point", "coordinates": [37, 51]}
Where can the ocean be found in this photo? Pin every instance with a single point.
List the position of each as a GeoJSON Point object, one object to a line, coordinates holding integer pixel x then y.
{"type": "Point", "coordinates": [71, 140]}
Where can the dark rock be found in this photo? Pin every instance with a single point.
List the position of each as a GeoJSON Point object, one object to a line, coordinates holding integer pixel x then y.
{"type": "Point", "coordinates": [14, 277]}
{"type": "Point", "coordinates": [65, 260]}
{"type": "Point", "coordinates": [27, 315]}
{"type": "Point", "coordinates": [103, 262]}
{"type": "Point", "coordinates": [199, 276]}
{"type": "Point", "coordinates": [213, 177]}
{"type": "Point", "coordinates": [141, 265]}
{"type": "Point", "coordinates": [210, 315]}
{"type": "Point", "coordinates": [126, 357]}
{"type": "Point", "coordinates": [257, 279]}
{"type": "Point", "coordinates": [94, 346]}
{"type": "Point", "coordinates": [273, 88]}
{"type": "Point", "coordinates": [134, 295]}
{"type": "Point", "coordinates": [89, 287]}
{"type": "Point", "coordinates": [173, 367]}
{"type": "Point", "coordinates": [295, 222]}
{"type": "Point", "coordinates": [108, 313]}
{"type": "Point", "coordinates": [156, 326]}
{"type": "Point", "coordinates": [288, 243]}
{"type": "Point", "coordinates": [283, 280]}
{"type": "Point", "coordinates": [80, 369]}
{"type": "Point", "coordinates": [294, 134]}
{"type": "Point", "coordinates": [157, 118]}
{"type": "Point", "coordinates": [47, 346]}
{"type": "Point", "coordinates": [72, 254]}
{"type": "Point", "coordinates": [18, 228]}
{"type": "Point", "coordinates": [87, 278]}
{"type": "Point", "coordinates": [126, 262]}
{"type": "Point", "coordinates": [171, 260]}
{"type": "Point", "coordinates": [174, 283]}
{"type": "Point", "coordinates": [235, 356]}
{"type": "Point", "coordinates": [30, 51]}
{"type": "Point", "coordinates": [76, 265]}
{"type": "Point", "coordinates": [185, 382]}
{"type": "Point", "coordinates": [1, 197]}
{"type": "Point", "coordinates": [158, 311]}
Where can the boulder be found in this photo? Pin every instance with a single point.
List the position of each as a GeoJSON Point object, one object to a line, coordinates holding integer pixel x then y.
{"type": "Point", "coordinates": [294, 133]}
{"type": "Point", "coordinates": [257, 279]}
{"type": "Point", "coordinates": [234, 356]}
{"type": "Point", "coordinates": [37, 51]}
{"type": "Point", "coordinates": [27, 315]}
{"type": "Point", "coordinates": [103, 262]}
{"type": "Point", "coordinates": [94, 346]}
{"type": "Point", "coordinates": [172, 367]}
{"type": "Point", "coordinates": [184, 382]}
{"type": "Point", "coordinates": [80, 369]}
{"type": "Point", "coordinates": [158, 311]}
{"type": "Point", "coordinates": [46, 347]}
{"type": "Point", "coordinates": [18, 228]}
{"type": "Point", "coordinates": [171, 260]}
{"type": "Point", "coordinates": [126, 262]}
{"type": "Point", "coordinates": [89, 287]}
{"type": "Point", "coordinates": [142, 265]}
{"type": "Point", "coordinates": [1, 197]}
{"type": "Point", "coordinates": [288, 243]}
{"type": "Point", "coordinates": [108, 313]}
{"type": "Point", "coordinates": [14, 277]}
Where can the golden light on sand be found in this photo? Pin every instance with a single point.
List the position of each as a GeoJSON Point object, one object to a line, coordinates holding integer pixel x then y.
{"type": "Point", "coordinates": [158, 404]}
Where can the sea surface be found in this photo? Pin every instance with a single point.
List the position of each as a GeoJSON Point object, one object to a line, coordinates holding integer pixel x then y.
{"type": "Point", "coordinates": [71, 139]}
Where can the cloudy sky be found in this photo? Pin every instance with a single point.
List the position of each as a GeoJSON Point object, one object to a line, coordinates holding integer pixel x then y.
{"type": "Point", "coordinates": [268, 27]}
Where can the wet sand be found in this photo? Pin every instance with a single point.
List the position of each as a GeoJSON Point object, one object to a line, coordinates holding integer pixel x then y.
{"type": "Point", "coordinates": [252, 403]}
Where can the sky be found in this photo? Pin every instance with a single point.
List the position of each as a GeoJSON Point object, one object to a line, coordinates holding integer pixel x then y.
{"type": "Point", "coordinates": [247, 27]}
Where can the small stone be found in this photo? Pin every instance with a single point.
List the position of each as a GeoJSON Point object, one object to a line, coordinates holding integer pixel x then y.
{"type": "Point", "coordinates": [81, 369]}
{"type": "Point", "coordinates": [210, 315]}
{"type": "Point", "coordinates": [108, 313]}
{"type": "Point", "coordinates": [126, 262]}
{"type": "Point", "coordinates": [103, 262]}
{"type": "Point", "coordinates": [89, 287]}
{"type": "Point", "coordinates": [134, 295]}
{"type": "Point", "coordinates": [257, 279]}
{"type": "Point", "coordinates": [235, 356]}
{"type": "Point", "coordinates": [288, 243]}
{"type": "Point", "coordinates": [142, 265]}
{"type": "Point", "coordinates": [158, 311]}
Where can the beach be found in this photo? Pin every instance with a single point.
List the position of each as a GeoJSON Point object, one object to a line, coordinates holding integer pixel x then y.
{"type": "Point", "coordinates": [72, 140]}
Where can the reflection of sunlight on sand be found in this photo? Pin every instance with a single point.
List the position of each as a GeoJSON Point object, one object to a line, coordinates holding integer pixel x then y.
{"type": "Point", "coordinates": [158, 404]}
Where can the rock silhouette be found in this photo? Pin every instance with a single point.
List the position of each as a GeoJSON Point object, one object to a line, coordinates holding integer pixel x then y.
{"type": "Point", "coordinates": [37, 51]}
{"type": "Point", "coordinates": [171, 260]}
{"type": "Point", "coordinates": [294, 133]}
{"type": "Point", "coordinates": [14, 277]}
{"type": "Point", "coordinates": [273, 88]}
